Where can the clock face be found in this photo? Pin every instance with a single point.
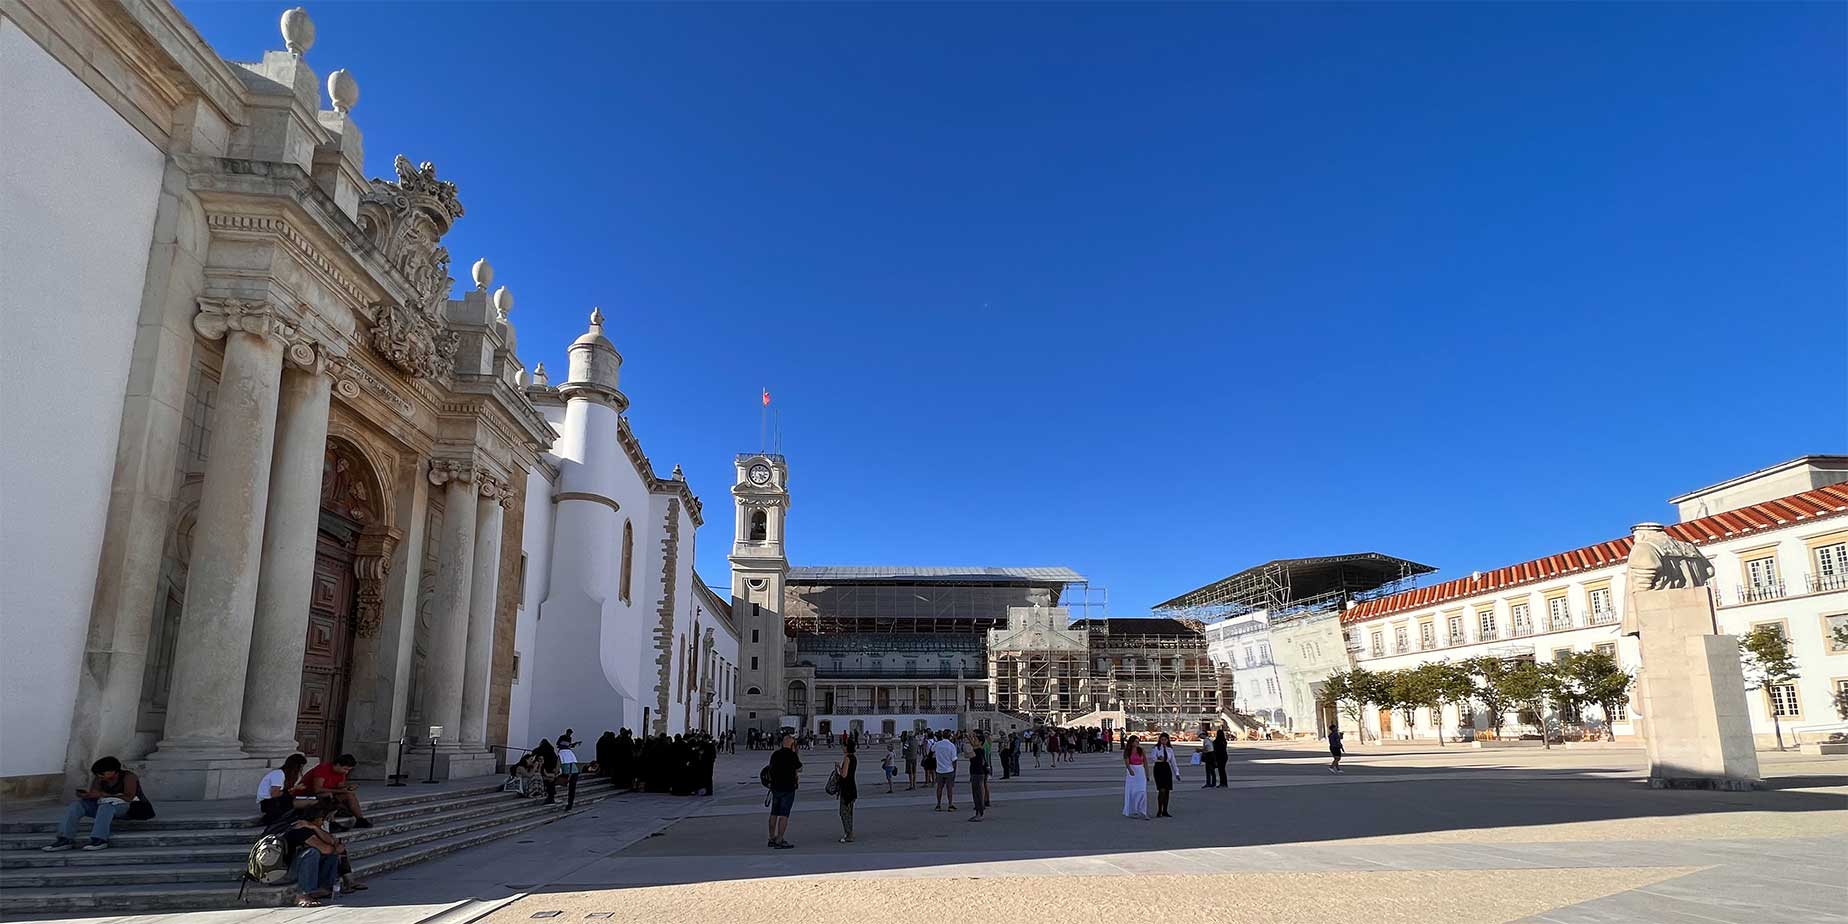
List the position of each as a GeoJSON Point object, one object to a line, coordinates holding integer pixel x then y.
{"type": "Point", "coordinates": [760, 474]}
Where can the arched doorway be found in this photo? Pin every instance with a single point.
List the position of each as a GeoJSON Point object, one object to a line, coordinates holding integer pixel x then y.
{"type": "Point", "coordinates": [349, 507]}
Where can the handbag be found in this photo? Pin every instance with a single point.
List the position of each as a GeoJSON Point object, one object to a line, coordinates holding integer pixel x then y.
{"type": "Point", "coordinates": [833, 787]}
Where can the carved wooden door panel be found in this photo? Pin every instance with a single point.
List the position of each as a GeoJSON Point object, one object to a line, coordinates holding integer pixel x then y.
{"type": "Point", "coordinates": [326, 659]}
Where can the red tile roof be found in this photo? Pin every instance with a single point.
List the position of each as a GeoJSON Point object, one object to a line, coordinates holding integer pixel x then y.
{"type": "Point", "coordinates": [1809, 506]}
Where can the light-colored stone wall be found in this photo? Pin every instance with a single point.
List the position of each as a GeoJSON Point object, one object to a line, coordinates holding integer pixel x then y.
{"type": "Point", "coordinates": [79, 188]}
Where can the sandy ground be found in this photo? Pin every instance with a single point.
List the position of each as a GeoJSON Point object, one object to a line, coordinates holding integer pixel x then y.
{"type": "Point", "coordinates": [1422, 897]}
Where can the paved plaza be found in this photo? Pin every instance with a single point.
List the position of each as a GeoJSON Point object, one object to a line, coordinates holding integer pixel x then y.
{"type": "Point", "coordinates": [1412, 834]}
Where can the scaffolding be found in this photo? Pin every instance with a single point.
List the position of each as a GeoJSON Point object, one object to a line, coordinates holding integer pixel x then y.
{"type": "Point", "coordinates": [1289, 587]}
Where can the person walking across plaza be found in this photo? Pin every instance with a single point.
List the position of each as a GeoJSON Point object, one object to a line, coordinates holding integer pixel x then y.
{"type": "Point", "coordinates": [1219, 757]}
{"type": "Point", "coordinates": [1036, 749]}
{"type": "Point", "coordinates": [978, 775]}
{"type": "Point", "coordinates": [1135, 780]}
{"type": "Point", "coordinates": [889, 767]}
{"type": "Point", "coordinates": [1334, 748]}
{"type": "Point", "coordinates": [1166, 770]}
{"type": "Point", "coordinates": [944, 753]}
{"type": "Point", "coordinates": [908, 746]}
{"type": "Point", "coordinates": [785, 768]}
{"type": "Point", "coordinates": [846, 790]}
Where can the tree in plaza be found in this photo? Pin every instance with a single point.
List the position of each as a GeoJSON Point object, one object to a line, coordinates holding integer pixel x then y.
{"type": "Point", "coordinates": [1526, 686]}
{"type": "Point", "coordinates": [1488, 669]}
{"type": "Point", "coordinates": [1354, 690]}
{"type": "Point", "coordinates": [1446, 684]}
{"type": "Point", "coordinates": [1406, 690]}
{"type": "Point", "coordinates": [1594, 677]}
{"type": "Point", "coordinates": [1769, 663]}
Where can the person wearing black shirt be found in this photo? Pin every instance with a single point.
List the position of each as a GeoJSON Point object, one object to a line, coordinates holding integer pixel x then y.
{"type": "Point", "coordinates": [1219, 757]}
{"type": "Point", "coordinates": [785, 765]}
{"type": "Point", "coordinates": [978, 774]}
{"type": "Point", "coordinates": [848, 790]}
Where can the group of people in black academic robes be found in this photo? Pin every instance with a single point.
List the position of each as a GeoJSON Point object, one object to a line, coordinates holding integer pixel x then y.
{"type": "Point", "coordinates": [680, 765]}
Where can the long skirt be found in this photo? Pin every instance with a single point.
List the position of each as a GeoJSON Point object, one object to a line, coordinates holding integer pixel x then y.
{"type": "Point", "coordinates": [1135, 794]}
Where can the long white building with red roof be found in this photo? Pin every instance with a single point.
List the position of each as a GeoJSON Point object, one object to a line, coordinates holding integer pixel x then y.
{"type": "Point", "coordinates": [1778, 539]}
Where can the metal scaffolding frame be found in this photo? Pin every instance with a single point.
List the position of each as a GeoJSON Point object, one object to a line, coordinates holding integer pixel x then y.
{"type": "Point", "coordinates": [1288, 587]}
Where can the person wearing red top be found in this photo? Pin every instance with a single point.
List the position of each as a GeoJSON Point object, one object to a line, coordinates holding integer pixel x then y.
{"type": "Point", "coordinates": [328, 780]}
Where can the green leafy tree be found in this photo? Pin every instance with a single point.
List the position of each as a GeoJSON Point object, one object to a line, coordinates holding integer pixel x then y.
{"type": "Point", "coordinates": [1595, 677]}
{"type": "Point", "coordinates": [1408, 690]}
{"type": "Point", "coordinates": [1526, 686]}
{"type": "Point", "coordinates": [1353, 691]}
{"type": "Point", "coordinates": [1486, 671]}
{"type": "Point", "coordinates": [1769, 663]}
{"type": "Point", "coordinates": [1447, 684]}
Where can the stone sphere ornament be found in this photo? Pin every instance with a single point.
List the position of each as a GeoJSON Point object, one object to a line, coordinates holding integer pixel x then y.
{"type": "Point", "coordinates": [503, 302]}
{"type": "Point", "coordinates": [343, 90]}
{"type": "Point", "coordinates": [483, 273]}
{"type": "Point", "coordinates": [297, 31]}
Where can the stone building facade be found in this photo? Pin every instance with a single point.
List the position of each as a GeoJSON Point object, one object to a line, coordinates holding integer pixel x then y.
{"type": "Point", "coordinates": [291, 505]}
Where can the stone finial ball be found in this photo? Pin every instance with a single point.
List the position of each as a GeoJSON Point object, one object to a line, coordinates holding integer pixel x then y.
{"type": "Point", "coordinates": [297, 31]}
{"type": "Point", "coordinates": [483, 273]}
{"type": "Point", "coordinates": [343, 90]}
{"type": "Point", "coordinates": [503, 302]}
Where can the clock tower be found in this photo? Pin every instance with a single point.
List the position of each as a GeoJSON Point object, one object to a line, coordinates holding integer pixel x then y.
{"type": "Point", "coordinates": [759, 567]}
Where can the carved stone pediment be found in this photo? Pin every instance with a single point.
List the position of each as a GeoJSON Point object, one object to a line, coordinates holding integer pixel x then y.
{"type": "Point", "coordinates": [418, 345]}
{"type": "Point", "coordinates": [406, 220]}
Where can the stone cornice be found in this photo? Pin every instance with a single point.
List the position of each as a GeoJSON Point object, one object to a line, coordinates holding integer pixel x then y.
{"type": "Point", "coordinates": [297, 244]}
{"type": "Point", "coordinates": [492, 389]}
{"type": "Point", "coordinates": [656, 485]}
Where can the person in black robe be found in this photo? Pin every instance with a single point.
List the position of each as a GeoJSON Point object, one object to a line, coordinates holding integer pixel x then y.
{"type": "Point", "coordinates": [622, 768]}
{"type": "Point", "coordinates": [606, 755]}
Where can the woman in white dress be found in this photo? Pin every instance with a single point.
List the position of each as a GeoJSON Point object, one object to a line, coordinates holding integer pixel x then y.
{"type": "Point", "coordinates": [1135, 780]}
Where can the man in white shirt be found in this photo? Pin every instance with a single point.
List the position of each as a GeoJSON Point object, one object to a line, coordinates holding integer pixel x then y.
{"type": "Point", "coordinates": [945, 751]}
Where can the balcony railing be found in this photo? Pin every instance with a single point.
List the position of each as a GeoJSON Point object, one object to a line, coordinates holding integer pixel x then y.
{"type": "Point", "coordinates": [1488, 635]}
{"type": "Point", "coordinates": [1559, 621]}
{"type": "Point", "coordinates": [1818, 583]}
{"type": "Point", "coordinates": [1456, 638]}
{"type": "Point", "coordinates": [1400, 647]}
{"type": "Point", "coordinates": [1379, 652]}
{"type": "Point", "coordinates": [1764, 590]}
{"type": "Point", "coordinates": [1603, 617]}
{"type": "Point", "coordinates": [1427, 644]}
{"type": "Point", "coordinates": [900, 673]}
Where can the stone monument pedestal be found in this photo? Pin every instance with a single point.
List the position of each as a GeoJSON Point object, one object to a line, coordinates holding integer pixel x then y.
{"type": "Point", "coordinates": [453, 762]}
{"type": "Point", "coordinates": [1692, 692]}
{"type": "Point", "coordinates": [183, 778]}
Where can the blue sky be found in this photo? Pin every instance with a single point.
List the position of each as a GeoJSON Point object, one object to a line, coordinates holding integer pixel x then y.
{"type": "Point", "coordinates": [1155, 292]}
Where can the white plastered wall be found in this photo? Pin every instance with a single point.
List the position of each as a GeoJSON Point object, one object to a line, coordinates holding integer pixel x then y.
{"type": "Point", "coordinates": [78, 191]}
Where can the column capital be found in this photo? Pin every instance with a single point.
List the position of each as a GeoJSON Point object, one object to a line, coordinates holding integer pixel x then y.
{"type": "Point", "coordinates": [492, 487]}
{"type": "Point", "coordinates": [444, 471]}
{"type": "Point", "coordinates": [313, 358]}
{"type": "Point", "coordinates": [217, 317]}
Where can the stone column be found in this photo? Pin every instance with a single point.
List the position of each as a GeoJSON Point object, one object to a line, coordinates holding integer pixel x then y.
{"type": "Point", "coordinates": [213, 649]}
{"type": "Point", "coordinates": [285, 580]}
{"type": "Point", "coordinates": [444, 669]}
{"type": "Point", "coordinates": [482, 598]}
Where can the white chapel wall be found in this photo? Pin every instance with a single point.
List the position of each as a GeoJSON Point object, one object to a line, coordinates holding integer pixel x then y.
{"type": "Point", "coordinates": [537, 547]}
{"type": "Point", "coordinates": [78, 190]}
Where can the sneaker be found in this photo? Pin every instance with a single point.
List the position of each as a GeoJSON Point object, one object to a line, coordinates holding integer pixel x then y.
{"type": "Point", "coordinates": [362, 823]}
{"type": "Point", "coordinates": [784, 845]}
{"type": "Point", "coordinates": [95, 844]}
{"type": "Point", "coordinates": [770, 843]}
{"type": "Point", "coordinates": [59, 844]}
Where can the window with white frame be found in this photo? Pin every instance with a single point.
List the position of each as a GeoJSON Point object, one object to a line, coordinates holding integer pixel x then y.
{"type": "Point", "coordinates": [1264, 652]}
{"type": "Point", "coordinates": [1833, 625]}
{"type": "Point", "coordinates": [1558, 613]}
{"type": "Point", "coordinates": [1455, 626]}
{"type": "Point", "coordinates": [1270, 685]}
{"type": "Point", "coordinates": [1831, 567]}
{"type": "Point", "coordinates": [1379, 644]}
{"type": "Point", "coordinates": [1250, 659]}
{"type": "Point", "coordinates": [1761, 575]}
{"type": "Point", "coordinates": [1783, 698]}
{"type": "Point", "coordinates": [1427, 634]}
{"type": "Point", "coordinates": [1522, 625]}
{"type": "Point", "coordinates": [1485, 624]}
{"type": "Point", "coordinates": [1601, 610]}
{"type": "Point", "coordinates": [1398, 638]}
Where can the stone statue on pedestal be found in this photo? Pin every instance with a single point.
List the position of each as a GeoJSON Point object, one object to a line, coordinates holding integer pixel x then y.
{"type": "Point", "coordinates": [1690, 688]}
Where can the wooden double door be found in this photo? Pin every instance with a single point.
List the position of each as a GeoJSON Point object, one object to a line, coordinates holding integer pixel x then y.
{"type": "Point", "coordinates": [328, 656]}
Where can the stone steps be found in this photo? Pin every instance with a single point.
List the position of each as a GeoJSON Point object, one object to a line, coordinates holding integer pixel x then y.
{"type": "Point", "coordinates": [205, 874]}
{"type": "Point", "coordinates": [370, 798]}
{"type": "Point", "coordinates": [385, 816]}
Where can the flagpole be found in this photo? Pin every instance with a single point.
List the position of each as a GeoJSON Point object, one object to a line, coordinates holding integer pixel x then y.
{"type": "Point", "coordinates": [763, 424]}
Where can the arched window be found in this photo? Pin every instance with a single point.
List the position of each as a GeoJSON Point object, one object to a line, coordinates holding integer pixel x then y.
{"type": "Point", "coordinates": [760, 526]}
{"type": "Point", "coordinates": [752, 691]}
{"type": "Point", "coordinates": [628, 560]}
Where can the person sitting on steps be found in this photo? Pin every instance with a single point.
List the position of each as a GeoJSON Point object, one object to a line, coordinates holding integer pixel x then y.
{"type": "Point", "coordinates": [113, 792]}
{"type": "Point", "coordinates": [328, 779]}
{"type": "Point", "coordinates": [279, 791]}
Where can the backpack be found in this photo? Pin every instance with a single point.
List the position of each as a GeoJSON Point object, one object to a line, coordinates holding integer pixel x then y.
{"type": "Point", "coordinates": [268, 862]}
{"type": "Point", "coordinates": [763, 776]}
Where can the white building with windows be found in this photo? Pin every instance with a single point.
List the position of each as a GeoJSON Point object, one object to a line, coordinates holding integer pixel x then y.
{"type": "Point", "coordinates": [1779, 559]}
{"type": "Point", "coordinates": [1243, 643]}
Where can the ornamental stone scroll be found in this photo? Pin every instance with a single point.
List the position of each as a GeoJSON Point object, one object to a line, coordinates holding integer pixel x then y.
{"type": "Point", "coordinates": [218, 317]}
{"type": "Point", "coordinates": [444, 471]}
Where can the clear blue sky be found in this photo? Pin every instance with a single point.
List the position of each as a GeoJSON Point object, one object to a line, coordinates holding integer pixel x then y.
{"type": "Point", "coordinates": [1155, 292]}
